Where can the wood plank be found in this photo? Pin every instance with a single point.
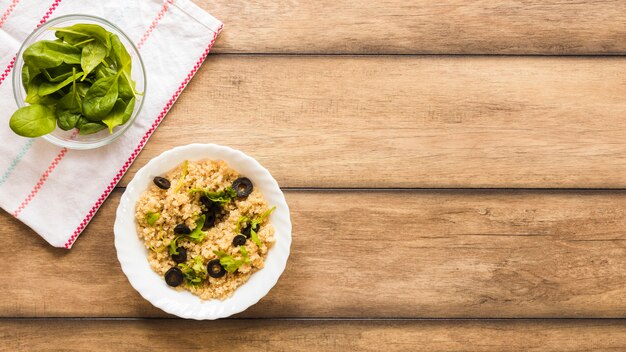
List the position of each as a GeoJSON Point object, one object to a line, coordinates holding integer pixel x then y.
{"type": "Point", "coordinates": [273, 335]}
{"type": "Point", "coordinates": [421, 26]}
{"type": "Point", "coordinates": [446, 254]}
{"type": "Point", "coordinates": [411, 121]}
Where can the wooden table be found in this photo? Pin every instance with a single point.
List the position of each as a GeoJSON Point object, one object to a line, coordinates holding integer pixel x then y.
{"type": "Point", "coordinates": [456, 172]}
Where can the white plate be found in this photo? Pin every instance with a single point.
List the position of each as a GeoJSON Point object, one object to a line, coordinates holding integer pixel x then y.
{"type": "Point", "coordinates": [133, 255]}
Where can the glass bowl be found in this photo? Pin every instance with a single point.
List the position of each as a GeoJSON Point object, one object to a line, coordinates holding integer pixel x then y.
{"type": "Point", "coordinates": [70, 139]}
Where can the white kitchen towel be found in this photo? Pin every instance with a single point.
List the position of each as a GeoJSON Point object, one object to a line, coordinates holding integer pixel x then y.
{"type": "Point", "coordinates": [56, 191]}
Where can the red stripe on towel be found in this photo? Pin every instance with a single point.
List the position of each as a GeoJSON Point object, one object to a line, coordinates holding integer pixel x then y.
{"type": "Point", "coordinates": [7, 71]}
{"type": "Point", "coordinates": [43, 20]}
{"type": "Point", "coordinates": [8, 11]}
{"type": "Point", "coordinates": [154, 23]}
{"type": "Point", "coordinates": [40, 183]}
{"type": "Point", "coordinates": [141, 144]}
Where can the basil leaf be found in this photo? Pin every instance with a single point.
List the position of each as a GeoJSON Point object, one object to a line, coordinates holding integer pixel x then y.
{"type": "Point", "coordinates": [33, 121]}
{"type": "Point", "coordinates": [46, 54]}
{"type": "Point", "coordinates": [86, 127]}
{"type": "Point", "coordinates": [120, 114]}
{"type": "Point", "coordinates": [101, 98]}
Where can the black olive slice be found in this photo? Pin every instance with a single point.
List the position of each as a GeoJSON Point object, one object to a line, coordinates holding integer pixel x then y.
{"type": "Point", "coordinates": [209, 221]}
{"type": "Point", "coordinates": [174, 277]}
{"type": "Point", "coordinates": [246, 230]}
{"type": "Point", "coordinates": [161, 182]}
{"type": "Point", "coordinates": [182, 229]}
{"type": "Point", "coordinates": [215, 269]}
{"type": "Point", "coordinates": [181, 257]}
{"type": "Point", "coordinates": [243, 187]}
{"type": "Point", "coordinates": [239, 240]}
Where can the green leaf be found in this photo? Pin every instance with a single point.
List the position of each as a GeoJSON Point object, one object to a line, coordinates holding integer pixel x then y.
{"type": "Point", "coordinates": [182, 176]}
{"type": "Point", "coordinates": [194, 273]}
{"type": "Point", "coordinates": [50, 87]}
{"type": "Point", "coordinates": [33, 121]}
{"type": "Point", "coordinates": [152, 218]}
{"type": "Point", "coordinates": [229, 262]}
{"type": "Point", "coordinates": [221, 197]}
{"type": "Point", "coordinates": [255, 237]}
{"type": "Point", "coordinates": [173, 247]}
{"type": "Point", "coordinates": [46, 54]}
{"type": "Point", "coordinates": [83, 31]}
{"type": "Point", "coordinates": [86, 127]}
{"type": "Point", "coordinates": [197, 235]}
{"type": "Point", "coordinates": [59, 73]}
{"type": "Point", "coordinates": [92, 55]}
{"type": "Point", "coordinates": [120, 114]}
{"type": "Point", "coordinates": [33, 96]}
{"type": "Point", "coordinates": [101, 98]}
{"type": "Point", "coordinates": [69, 107]}
{"type": "Point", "coordinates": [253, 224]}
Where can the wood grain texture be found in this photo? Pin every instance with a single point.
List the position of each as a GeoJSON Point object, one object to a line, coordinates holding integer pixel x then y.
{"type": "Point", "coordinates": [421, 26]}
{"type": "Point", "coordinates": [446, 254]}
{"type": "Point", "coordinates": [411, 121]}
{"type": "Point", "coordinates": [272, 335]}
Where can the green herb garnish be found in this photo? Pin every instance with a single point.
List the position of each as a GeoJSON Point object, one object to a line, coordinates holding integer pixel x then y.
{"type": "Point", "coordinates": [221, 197]}
{"type": "Point", "coordinates": [253, 224]}
{"type": "Point", "coordinates": [80, 81]}
{"type": "Point", "coordinates": [173, 246]}
{"type": "Point", "coordinates": [229, 262]}
{"type": "Point", "coordinates": [182, 177]}
{"type": "Point", "coordinates": [152, 218]}
{"type": "Point", "coordinates": [195, 272]}
{"type": "Point", "coordinates": [197, 235]}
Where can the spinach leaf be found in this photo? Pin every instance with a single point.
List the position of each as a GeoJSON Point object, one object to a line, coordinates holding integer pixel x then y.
{"type": "Point", "coordinates": [46, 54]}
{"type": "Point", "coordinates": [33, 121]}
{"type": "Point", "coordinates": [86, 127]}
{"type": "Point", "coordinates": [101, 98]}
{"type": "Point", "coordinates": [92, 55]}
{"type": "Point", "coordinates": [120, 114]}
{"type": "Point", "coordinates": [123, 62]}
{"type": "Point", "coordinates": [80, 32]}
{"type": "Point", "coordinates": [102, 71]}
{"type": "Point", "coordinates": [69, 107]}
{"type": "Point", "coordinates": [50, 87]}
{"type": "Point", "coordinates": [32, 92]}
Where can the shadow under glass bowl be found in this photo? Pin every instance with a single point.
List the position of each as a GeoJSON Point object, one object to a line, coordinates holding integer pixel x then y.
{"type": "Point", "coordinates": [70, 139]}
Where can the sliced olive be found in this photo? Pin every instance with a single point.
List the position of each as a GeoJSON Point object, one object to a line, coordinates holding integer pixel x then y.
{"type": "Point", "coordinates": [215, 269]}
{"type": "Point", "coordinates": [243, 187]}
{"type": "Point", "coordinates": [161, 182]}
{"type": "Point", "coordinates": [174, 277]}
{"type": "Point", "coordinates": [182, 229]}
{"type": "Point", "coordinates": [239, 240]}
{"type": "Point", "coordinates": [209, 221]}
{"type": "Point", "coordinates": [246, 230]}
{"type": "Point", "coordinates": [181, 257]}
{"type": "Point", "coordinates": [209, 205]}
